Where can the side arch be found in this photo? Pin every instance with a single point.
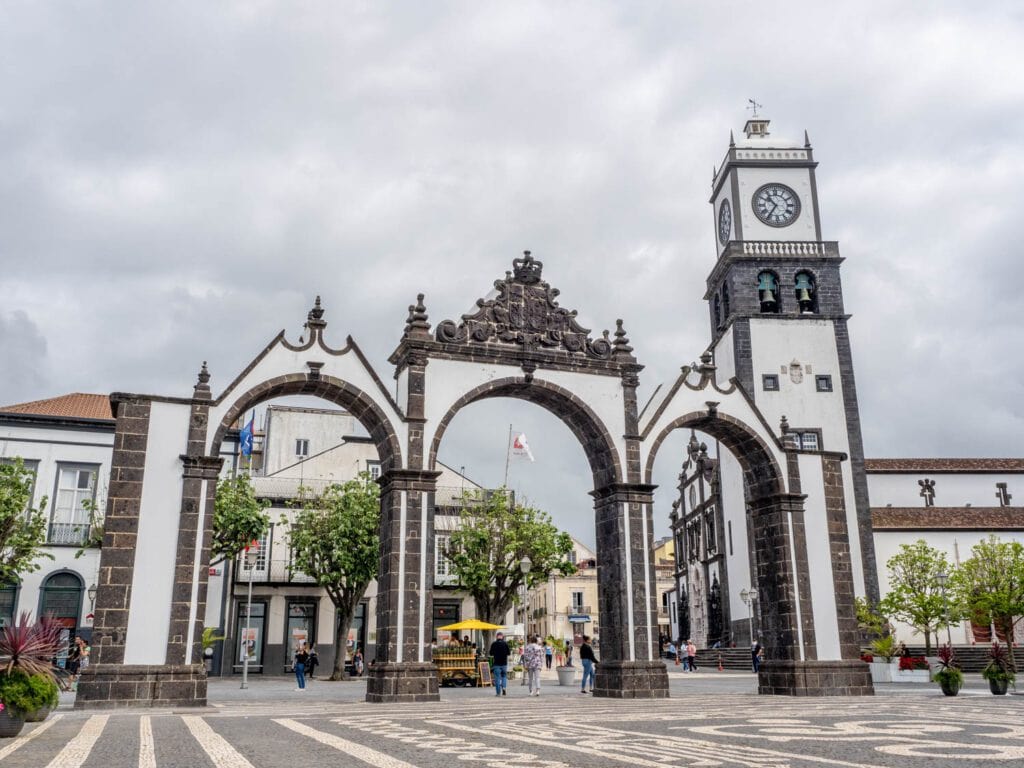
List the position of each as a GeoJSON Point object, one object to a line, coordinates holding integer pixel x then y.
{"type": "Point", "coordinates": [588, 428]}
{"type": "Point", "coordinates": [761, 472]}
{"type": "Point", "coordinates": [328, 388]}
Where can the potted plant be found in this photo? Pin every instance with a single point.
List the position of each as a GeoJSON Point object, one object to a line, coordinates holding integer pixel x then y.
{"type": "Point", "coordinates": [998, 671]}
{"type": "Point", "coordinates": [883, 650]}
{"type": "Point", "coordinates": [949, 677]}
{"type": "Point", "coordinates": [912, 669]}
{"type": "Point", "coordinates": [28, 680]}
{"type": "Point", "coordinates": [209, 640]}
{"type": "Point", "coordinates": [566, 672]}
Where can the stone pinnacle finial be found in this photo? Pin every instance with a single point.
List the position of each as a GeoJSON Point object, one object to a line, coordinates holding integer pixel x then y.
{"type": "Point", "coordinates": [417, 323]}
{"type": "Point", "coordinates": [732, 140]}
{"type": "Point", "coordinates": [621, 347]}
{"type": "Point", "coordinates": [202, 388]}
{"type": "Point", "coordinates": [315, 317]}
{"type": "Point", "coordinates": [807, 140]}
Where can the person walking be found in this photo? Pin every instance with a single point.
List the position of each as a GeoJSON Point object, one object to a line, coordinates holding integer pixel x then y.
{"type": "Point", "coordinates": [756, 654]}
{"type": "Point", "coordinates": [588, 660]}
{"type": "Point", "coordinates": [499, 652]}
{"type": "Point", "coordinates": [549, 653]}
{"type": "Point", "coordinates": [673, 653]}
{"type": "Point", "coordinates": [533, 659]}
{"type": "Point", "coordinates": [312, 663]}
{"type": "Point", "coordinates": [299, 665]}
{"type": "Point", "coordinates": [691, 655]}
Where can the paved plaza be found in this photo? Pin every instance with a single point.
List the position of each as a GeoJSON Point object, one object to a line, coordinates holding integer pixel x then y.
{"type": "Point", "coordinates": [712, 719]}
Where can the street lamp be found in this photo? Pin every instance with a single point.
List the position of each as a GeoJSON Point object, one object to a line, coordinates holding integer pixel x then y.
{"type": "Point", "coordinates": [942, 577]}
{"type": "Point", "coordinates": [524, 566]}
{"type": "Point", "coordinates": [748, 596]}
{"type": "Point", "coordinates": [251, 553]}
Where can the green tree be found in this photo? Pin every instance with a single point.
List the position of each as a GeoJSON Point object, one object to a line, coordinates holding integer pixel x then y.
{"type": "Point", "coordinates": [869, 621]}
{"type": "Point", "coordinates": [238, 517]}
{"type": "Point", "coordinates": [22, 527]}
{"type": "Point", "coordinates": [493, 537]}
{"type": "Point", "coordinates": [916, 596]}
{"type": "Point", "coordinates": [989, 586]}
{"type": "Point", "coordinates": [334, 540]}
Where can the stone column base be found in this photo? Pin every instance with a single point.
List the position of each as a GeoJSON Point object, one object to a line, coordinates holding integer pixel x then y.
{"type": "Point", "coordinates": [110, 686]}
{"type": "Point", "coordinates": [408, 681]}
{"type": "Point", "coordinates": [631, 680]}
{"type": "Point", "coordinates": [815, 678]}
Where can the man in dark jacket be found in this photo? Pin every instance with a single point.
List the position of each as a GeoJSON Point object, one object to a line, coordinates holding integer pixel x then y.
{"type": "Point", "coordinates": [499, 655]}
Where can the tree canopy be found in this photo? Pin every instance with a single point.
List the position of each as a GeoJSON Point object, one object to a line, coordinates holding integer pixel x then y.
{"type": "Point", "coordinates": [493, 537]}
{"type": "Point", "coordinates": [334, 539]}
{"type": "Point", "coordinates": [916, 595]}
{"type": "Point", "coordinates": [22, 527]}
{"type": "Point", "coordinates": [238, 517]}
{"type": "Point", "coordinates": [989, 586]}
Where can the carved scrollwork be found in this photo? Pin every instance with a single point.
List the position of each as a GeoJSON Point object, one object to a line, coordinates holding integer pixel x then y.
{"type": "Point", "coordinates": [525, 313]}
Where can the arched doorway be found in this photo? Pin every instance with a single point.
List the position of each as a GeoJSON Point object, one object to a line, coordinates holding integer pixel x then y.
{"type": "Point", "coordinates": [61, 600]}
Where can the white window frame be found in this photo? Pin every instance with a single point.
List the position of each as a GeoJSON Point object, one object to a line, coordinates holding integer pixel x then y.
{"type": "Point", "coordinates": [301, 448]}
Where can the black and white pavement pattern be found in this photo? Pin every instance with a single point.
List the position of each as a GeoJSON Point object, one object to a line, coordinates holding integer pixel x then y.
{"type": "Point", "coordinates": [273, 726]}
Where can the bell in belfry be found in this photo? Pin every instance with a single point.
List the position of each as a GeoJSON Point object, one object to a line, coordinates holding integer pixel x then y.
{"type": "Point", "coordinates": [767, 288]}
{"type": "Point", "coordinates": [805, 292]}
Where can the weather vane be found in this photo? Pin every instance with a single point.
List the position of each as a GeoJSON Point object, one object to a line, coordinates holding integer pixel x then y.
{"type": "Point", "coordinates": [754, 106]}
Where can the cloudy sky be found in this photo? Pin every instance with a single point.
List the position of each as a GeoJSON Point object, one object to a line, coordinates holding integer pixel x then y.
{"type": "Point", "coordinates": [178, 180]}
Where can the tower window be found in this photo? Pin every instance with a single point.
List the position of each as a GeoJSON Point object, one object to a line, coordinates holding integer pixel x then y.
{"type": "Point", "coordinates": [805, 439]}
{"type": "Point", "coordinates": [823, 383]}
{"type": "Point", "coordinates": [770, 382]}
{"type": "Point", "coordinates": [806, 293]}
{"type": "Point", "coordinates": [725, 301]}
{"type": "Point", "coordinates": [301, 447]}
{"type": "Point", "coordinates": [768, 293]}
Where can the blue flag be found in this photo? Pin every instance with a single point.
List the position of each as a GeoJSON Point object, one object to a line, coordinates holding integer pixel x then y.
{"type": "Point", "coordinates": [245, 437]}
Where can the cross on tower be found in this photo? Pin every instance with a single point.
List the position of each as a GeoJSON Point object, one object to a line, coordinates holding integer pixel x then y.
{"type": "Point", "coordinates": [754, 106]}
{"type": "Point", "coordinates": [1003, 494]}
{"type": "Point", "coordinates": [927, 491]}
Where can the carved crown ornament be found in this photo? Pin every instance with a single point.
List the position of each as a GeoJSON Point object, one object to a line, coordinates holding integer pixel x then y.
{"type": "Point", "coordinates": [525, 313]}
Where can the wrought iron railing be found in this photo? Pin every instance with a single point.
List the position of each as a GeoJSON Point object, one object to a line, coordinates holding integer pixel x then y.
{"type": "Point", "coordinates": [68, 533]}
{"type": "Point", "coordinates": [274, 572]}
{"type": "Point", "coordinates": [577, 609]}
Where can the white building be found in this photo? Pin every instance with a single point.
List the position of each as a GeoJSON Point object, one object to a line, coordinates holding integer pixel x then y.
{"type": "Point", "coordinates": [67, 441]}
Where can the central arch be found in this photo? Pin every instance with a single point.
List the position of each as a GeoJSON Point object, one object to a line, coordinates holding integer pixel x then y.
{"type": "Point", "coordinates": [573, 412]}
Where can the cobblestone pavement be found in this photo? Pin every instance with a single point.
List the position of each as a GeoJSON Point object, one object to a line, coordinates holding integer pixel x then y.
{"type": "Point", "coordinates": [272, 725]}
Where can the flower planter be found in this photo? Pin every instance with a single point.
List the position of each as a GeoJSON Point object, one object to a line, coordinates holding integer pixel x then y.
{"type": "Point", "coordinates": [10, 726]}
{"type": "Point", "coordinates": [911, 676]}
{"type": "Point", "coordinates": [566, 675]}
{"type": "Point", "coordinates": [950, 687]}
{"type": "Point", "coordinates": [882, 671]}
{"type": "Point", "coordinates": [38, 716]}
{"type": "Point", "coordinates": [998, 687]}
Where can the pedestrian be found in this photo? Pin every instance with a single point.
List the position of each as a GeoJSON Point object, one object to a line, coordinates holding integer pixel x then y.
{"type": "Point", "coordinates": [357, 663]}
{"type": "Point", "coordinates": [902, 651]}
{"type": "Point", "coordinates": [533, 660]}
{"type": "Point", "coordinates": [568, 653]}
{"type": "Point", "coordinates": [299, 666]}
{"type": "Point", "coordinates": [691, 655]}
{"type": "Point", "coordinates": [549, 653]}
{"type": "Point", "coordinates": [499, 653]}
{"type": "Point", "coordinates": [588, 661]}
{"type": "Point", "coordinates": [312, 663]}
{"type": "Point", "coordinates": [756, 654]}
{"type": "Point", "coordinates": [672, 653]}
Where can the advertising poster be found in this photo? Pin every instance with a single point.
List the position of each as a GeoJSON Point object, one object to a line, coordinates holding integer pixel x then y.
{"type": "Point", "coordinates": [249, 644]}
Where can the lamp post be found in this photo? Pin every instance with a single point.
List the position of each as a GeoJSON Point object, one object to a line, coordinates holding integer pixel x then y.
{"type": "Point", "coordinates": [748, 596]}
{"type": "Point", "coordinates": [942, 577]}
{"type": "Point", "coordinates": [251, 553]}
{"type": "Point", "coordinates": [524, 566]}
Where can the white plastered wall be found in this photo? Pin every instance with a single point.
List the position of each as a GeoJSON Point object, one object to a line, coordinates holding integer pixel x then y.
{"type": "Point", "coordinates": [157, 540]}
{"type": "Point", "coordinates": [734, 509]}
{"type": "Point", "coordinates": [951, 490]}
{"type": "Point", "coordinates": [799, 179]}
{"type": "Point", "coordinates": [819, 558]}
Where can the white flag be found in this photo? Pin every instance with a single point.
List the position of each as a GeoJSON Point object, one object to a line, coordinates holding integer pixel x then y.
{"type": "Point", "coordinates": [520, 447]}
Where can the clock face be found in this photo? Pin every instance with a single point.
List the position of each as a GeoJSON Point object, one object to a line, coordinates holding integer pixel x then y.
{"type": "Point", "coordinates": [724, 222]}
{"type": "Point", "coordinates": [776, 205]}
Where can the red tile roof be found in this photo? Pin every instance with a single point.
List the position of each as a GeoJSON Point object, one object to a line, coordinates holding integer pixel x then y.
{"type": "Point", "coordinates": [944, 465]}
{"type": "Point", "coordinates": [77, 405]}
{"type": "Point", "coordinates": [947, 518]}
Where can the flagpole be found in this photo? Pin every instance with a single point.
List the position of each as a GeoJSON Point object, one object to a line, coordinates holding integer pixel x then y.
{"type": "Point", "coordinates": [508, 454]}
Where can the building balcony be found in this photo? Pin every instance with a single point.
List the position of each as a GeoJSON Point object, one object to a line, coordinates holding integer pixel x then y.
{"type": "Point", "coordinates": [274, 572]}
{"type": "Point", "coordinates": [578, 609]}
{"type": "Point", "coordinates": [68, 534]}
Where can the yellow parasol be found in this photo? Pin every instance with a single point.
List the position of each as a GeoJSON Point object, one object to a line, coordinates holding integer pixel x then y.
{"type": "Point", "coordinates": [472, 624]}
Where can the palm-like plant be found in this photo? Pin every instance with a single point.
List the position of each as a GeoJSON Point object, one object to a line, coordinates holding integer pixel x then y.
{"type": "Point", "coordinates": [998, 667]}
{"type": "Point", "coordinates": [30, 647]}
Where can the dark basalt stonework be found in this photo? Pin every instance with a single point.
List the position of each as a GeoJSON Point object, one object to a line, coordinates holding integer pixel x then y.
{"type": "Point", "coordinates": [525, 314]}
{"type": "Point", "coordinates": [110, 686]}
{"type": "Point", "coordinates": [393, 683]}
{"type": "Point", "coordinates": [815, 678]}
{"type": "Point", "coordinates": [631, 680]}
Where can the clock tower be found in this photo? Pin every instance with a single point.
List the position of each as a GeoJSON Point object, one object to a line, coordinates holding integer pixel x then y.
{"type": "Point", "coordinates": [777, 318]}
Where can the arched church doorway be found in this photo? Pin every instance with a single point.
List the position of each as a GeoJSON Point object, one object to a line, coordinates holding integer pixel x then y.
{"type": "Point", "coordinates": [61, 600]}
